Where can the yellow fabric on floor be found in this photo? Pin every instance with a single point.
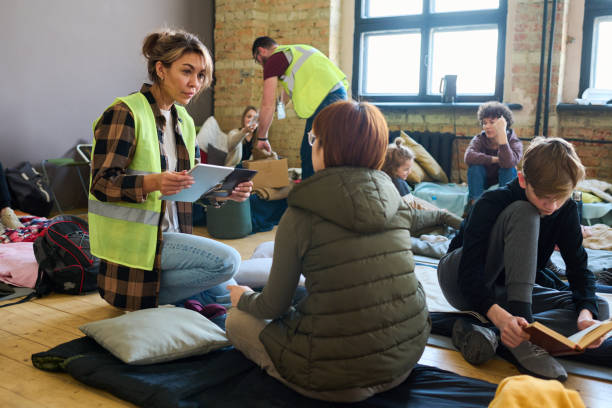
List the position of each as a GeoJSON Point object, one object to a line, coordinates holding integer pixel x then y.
{"type": "Point", "coordinates": [525, 391]}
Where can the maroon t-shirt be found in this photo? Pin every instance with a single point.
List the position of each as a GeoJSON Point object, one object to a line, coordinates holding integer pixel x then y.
{"type": "Point", "coordinates": [276, 65]}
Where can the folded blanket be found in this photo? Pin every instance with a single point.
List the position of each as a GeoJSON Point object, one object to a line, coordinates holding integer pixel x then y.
{"type": "Point", "coordinates": [600, 237]}
{"type": "Point", "coordinates": [596, 187]}
{"type": "Point", "coordinates": [525, 391]}
{"type": "Point", "coordinates": [18, 265]}
{"type": "Point", "coordinates": [33, 227]}
{"type": "Point", "coordinates": [273, 193]}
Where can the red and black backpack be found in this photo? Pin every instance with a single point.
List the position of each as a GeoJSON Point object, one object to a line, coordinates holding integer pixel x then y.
{"type": "Point", "coordinates": [65, 262]}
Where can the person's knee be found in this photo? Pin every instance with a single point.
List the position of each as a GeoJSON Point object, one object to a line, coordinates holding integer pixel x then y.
{"type": "Point", "coordinates": [522, 217]}
{"type": "Point", "coordinates": [477, 170]}
{"type": "Point", "coordinates": [229, 263]}
{"type": "Point", "coordinates": [242, 328]}
{"type": "Point", "coordinates": [522, 211]}
{"type": "Point", "coordinates": [505, 176]}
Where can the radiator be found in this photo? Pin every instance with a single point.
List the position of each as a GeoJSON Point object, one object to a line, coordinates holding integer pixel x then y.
{"type": "Point", "coordinates": [439, 145]}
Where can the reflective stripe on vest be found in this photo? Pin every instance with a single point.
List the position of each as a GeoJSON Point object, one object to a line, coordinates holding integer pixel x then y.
{"type": "Point", "coordinates": [126, 233]}
{"type": "Point", "coordinates": [309, 78]}
{"type": "Point", "coordinates": [290, 81]}
{"type": "Point", "coordinates": [123, 213]}
{"type": "Point", "coordinates": [131, 172]}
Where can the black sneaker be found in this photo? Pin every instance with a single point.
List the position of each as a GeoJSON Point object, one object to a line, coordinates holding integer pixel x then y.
{"type": "Point", "coordinates": [477, 344]}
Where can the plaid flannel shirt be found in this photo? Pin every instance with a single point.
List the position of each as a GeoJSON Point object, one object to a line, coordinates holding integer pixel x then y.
{"type": "Point", "coordinates": [122, 286]}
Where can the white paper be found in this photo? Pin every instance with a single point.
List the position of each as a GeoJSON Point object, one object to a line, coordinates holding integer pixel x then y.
{"type": "Point", "coordinates": [206, 177]}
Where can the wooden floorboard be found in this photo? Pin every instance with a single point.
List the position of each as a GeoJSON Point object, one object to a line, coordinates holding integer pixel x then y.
{"type": "Point", "coordinates": [44, 323]}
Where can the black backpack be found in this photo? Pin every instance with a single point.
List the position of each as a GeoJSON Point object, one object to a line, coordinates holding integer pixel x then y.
{"type": "Point", "coordinates": [65, 263]}
{"type": "Point", "coordinates": [29, 192]}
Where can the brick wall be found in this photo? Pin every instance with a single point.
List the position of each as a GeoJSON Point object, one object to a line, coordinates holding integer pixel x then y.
{"type": "Point", "coordinates": [238, 79]}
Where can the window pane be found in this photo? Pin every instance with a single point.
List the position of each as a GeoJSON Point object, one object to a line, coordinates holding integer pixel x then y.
{"type": "Point", "coordinates": [386, 8]}
{"type": "Point", "coordinates": [391, 63]}
{"type": "Point", "coordinates": [444, 6]}
{"type": "Point", "coordinates": [602, 58]}
{"type": "Point", "coordinates": [469, 54]}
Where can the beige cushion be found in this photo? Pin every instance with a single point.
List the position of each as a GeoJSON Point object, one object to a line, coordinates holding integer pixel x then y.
{"type": "Point", "coordinates": [151, 336]}
{"type": "Point", "coordinates": [425, 160]}
{"type": "Point", "coordinates": [417, 174]}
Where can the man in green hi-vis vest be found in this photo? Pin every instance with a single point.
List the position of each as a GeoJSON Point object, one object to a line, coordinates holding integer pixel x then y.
{"type": "Point", "coordinates": [308, 78]}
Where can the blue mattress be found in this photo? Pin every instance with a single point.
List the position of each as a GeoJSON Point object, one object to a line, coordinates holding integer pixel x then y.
{"type": "Point", "coordinates": [227, 379]}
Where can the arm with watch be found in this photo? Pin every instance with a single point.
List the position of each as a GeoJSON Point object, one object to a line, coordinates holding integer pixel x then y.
{"type": "Point", "coordinates": [266, 112]}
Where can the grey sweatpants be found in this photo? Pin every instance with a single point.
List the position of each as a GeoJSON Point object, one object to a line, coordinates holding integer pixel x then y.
{"type": "Point", "coordinates": [513, 249]}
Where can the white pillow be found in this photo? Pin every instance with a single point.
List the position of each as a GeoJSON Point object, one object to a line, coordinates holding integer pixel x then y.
{"type": "Point", "coordinates": [255, 272]}
{"type": "Point", "coordinates": [211, 133]}
{"type": "Point", "coordinates": [264, 250]}
{"type": "Point", "coordinates": [151, 336]}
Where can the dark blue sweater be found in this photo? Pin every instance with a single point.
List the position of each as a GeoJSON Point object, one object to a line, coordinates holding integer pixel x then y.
{"type": "Point", "coordinates": [402, 186]}
{"type": "Point", "coordinates": [561, 228]}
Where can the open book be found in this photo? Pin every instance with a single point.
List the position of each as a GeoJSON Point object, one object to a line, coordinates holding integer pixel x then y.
{"type": "Point", "coordinates": [212, 181]}
{"type": "Point", "coordinates": [558, 345]}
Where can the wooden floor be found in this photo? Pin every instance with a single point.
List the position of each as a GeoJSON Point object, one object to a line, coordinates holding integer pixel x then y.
{"type": "Point", "coordinates": [40, 324]}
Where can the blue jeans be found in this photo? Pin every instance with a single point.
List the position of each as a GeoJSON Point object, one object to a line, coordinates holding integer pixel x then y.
{"type": "Point", "coordinates": [191, 264]}
{"type": "Point", "coordinates": [306, 149]}
{"type": "Point", "coordinates": [477, 179]}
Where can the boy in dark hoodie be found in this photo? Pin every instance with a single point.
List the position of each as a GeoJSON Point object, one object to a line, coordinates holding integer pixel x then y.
{"type": "Point", "coordinates": [508, 236]}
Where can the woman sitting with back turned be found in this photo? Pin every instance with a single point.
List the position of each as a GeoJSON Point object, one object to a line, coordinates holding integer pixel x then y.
{"type": "Point", "coordinates": [363, 324]}
{"type": "Point", "coordinates": [144, 144]}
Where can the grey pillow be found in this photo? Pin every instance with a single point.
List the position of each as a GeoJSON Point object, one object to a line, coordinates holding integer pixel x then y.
{"type": "Point", "coordinates": [156, 335]}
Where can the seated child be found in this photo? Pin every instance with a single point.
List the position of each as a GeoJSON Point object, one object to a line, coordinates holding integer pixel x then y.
{"type": "Point", "coordinates": [363, 323]}
{"type": "Point", "coordinates": [493, 154]}
{"type": "Point", "coordinates": [398, 163]}
{"type": "Point", "coordinates": [493, 263]}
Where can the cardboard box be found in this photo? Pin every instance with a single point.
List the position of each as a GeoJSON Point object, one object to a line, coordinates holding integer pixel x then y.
{"type": "Point", "coordinates": [270, 173]}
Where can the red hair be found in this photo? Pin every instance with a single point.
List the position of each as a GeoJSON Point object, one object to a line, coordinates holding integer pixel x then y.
{"type": "Point", "coordinates": [352, 134]}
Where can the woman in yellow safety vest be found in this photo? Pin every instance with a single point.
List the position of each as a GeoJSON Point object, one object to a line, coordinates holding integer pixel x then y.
{"type": "Point", "coordinates": [144, 144]}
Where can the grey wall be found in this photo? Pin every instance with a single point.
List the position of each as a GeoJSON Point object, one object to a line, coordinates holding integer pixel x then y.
{"type": "Point", "coordinates": [62, 62]}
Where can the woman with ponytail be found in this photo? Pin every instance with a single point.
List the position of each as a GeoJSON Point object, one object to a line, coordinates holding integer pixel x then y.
{"type": "Point", "coordinates": [144, 145]}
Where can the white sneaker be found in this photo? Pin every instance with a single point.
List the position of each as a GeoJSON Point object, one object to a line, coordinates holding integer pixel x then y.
{"type": "Point", "coordinates": [9, 219]}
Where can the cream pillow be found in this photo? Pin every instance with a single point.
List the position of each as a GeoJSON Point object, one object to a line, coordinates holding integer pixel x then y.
{"type": "Point", "coordinates": [417, 174]}
{"type": "Point", "coordinates": [151, 336]}
{"type": "Point", "coordinates": [425, 160]}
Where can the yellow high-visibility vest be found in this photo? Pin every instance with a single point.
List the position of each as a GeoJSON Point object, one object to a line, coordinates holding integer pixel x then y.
{"type": "Point", "coordinates": [126, 233]}
{"type": "Point", "coordinates": [309, 78]}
